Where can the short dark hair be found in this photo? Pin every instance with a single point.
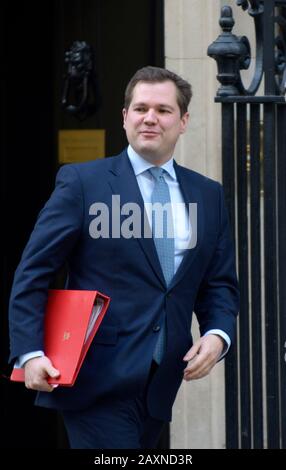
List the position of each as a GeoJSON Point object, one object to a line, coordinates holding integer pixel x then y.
{"type": "Point", "coordinates": [157, 75]}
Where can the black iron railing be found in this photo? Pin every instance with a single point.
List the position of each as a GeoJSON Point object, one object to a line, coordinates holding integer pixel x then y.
{"type": "Point", "coordinates": [254, 178]}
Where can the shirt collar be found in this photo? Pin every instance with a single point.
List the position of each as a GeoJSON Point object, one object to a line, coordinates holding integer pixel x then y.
{"type": "Point", "coordinates": [140, 165]}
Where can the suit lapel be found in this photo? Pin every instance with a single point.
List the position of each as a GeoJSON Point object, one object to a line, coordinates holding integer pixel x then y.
{"type": "Point", "coordinates": [124, 184]}
{"type": "Point", "coordinates": [191, 194]}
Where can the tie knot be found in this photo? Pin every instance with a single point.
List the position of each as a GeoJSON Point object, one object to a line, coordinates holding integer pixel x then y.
{"type": "Point", "coordinates": [156, 172]}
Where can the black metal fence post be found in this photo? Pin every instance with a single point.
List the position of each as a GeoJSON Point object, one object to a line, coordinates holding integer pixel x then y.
{"type": "Point", "coordinates": [255, 262]}
{"type": "Point", "coordinates": [231, 367]}
{"type": "Point", "coordinates": [281, 170]}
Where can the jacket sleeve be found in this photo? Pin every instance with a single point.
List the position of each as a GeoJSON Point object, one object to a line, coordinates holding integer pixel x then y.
{"type": "Point", "coordinates": [56, 231]}
{"type": "Point", "coordinates": [217, 302]}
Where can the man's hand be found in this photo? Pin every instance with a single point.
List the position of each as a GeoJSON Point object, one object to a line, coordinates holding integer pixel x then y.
{"type": "Point", "coordinates": [37, 370]}
{"type": "Point", "coordinates": [202, 356]}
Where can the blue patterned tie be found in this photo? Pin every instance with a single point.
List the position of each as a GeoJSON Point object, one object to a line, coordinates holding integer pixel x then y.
{"type": "Point", "coordinates": [164, 243]}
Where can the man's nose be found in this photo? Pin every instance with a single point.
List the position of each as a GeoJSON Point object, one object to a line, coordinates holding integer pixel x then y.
{"type": "Point", "coordinates": [150, 117]}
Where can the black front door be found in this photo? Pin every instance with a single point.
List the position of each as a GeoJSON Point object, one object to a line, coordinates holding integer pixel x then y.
{"type": "Point", "coordinates": [125, 35]}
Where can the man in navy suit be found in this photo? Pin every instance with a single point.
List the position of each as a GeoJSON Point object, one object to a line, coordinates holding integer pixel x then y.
{"type": "Point", "coordinates": [98, 221]}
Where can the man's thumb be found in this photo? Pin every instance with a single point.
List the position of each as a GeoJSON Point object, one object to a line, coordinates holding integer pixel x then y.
{"type": "Point", "coordinates": [191, 353]}
{"type": "Point", "coordinates": [52, 372]}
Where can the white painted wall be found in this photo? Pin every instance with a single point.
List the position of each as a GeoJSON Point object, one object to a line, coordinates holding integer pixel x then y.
{"type": "Point", "coordinates": [190, 26]}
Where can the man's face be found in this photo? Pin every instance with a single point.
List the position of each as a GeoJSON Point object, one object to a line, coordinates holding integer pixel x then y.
{"type": "Point", "coordinates": [153, 122]}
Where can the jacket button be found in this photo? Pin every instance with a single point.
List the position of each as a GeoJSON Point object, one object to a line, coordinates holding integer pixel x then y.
{"type": "Point", "coordinates": [156, 328]}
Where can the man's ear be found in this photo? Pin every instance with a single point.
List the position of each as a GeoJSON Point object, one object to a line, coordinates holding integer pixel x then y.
{"type": "Point", "coordinates": [124, 114]}
{"type": "Point", "coordinates": [184, 122]}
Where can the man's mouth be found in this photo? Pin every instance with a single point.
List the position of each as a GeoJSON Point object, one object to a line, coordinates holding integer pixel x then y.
{"type": "Point", "coordinates": [149, 133]}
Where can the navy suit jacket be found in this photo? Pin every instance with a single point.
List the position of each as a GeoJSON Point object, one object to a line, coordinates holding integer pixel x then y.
{"type": "Point", "coordinates": [128, 270]}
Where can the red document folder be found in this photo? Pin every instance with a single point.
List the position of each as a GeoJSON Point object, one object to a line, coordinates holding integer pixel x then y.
{"type": "Point", "coordinates": [71, 321]}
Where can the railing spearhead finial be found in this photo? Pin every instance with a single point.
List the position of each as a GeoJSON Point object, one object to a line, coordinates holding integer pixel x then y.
{"type": "Point", "coordinates": [226, 20]}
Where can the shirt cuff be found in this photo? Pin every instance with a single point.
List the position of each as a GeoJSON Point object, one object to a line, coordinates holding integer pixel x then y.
{"type": "Point", "coordinates": [224, 336]}
{"type": "Point", "coordinates": [26, 357]}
